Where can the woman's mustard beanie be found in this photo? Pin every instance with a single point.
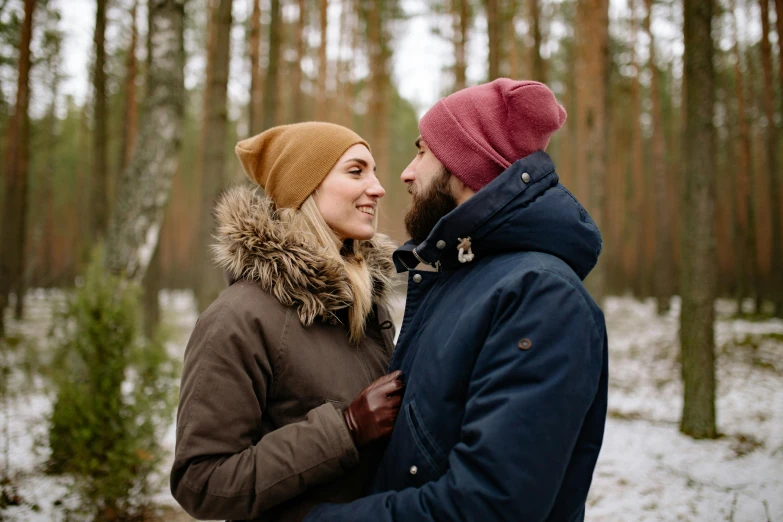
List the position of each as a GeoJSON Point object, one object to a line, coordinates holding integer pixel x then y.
{"type": "Point", "coordinates": [290, 161]}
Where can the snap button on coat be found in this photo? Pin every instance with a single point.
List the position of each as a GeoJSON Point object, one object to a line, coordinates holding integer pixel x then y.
{"type": "Point", "coordinates": [417, 278]}
{"type": "Point", "coordinates": [440, 244]}
{"type": "Point", "coordinates": [526, 177]}
{"type": "Point", "coordinates": [414, 470]}
{"type": "Point", "coordinates": [525, 344]}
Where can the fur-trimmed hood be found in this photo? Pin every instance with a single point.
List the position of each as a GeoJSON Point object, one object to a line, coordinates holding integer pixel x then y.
{"type": "Point", "coordinates": [254, 244]}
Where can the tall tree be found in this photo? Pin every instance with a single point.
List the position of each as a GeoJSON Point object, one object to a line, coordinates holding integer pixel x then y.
{"type": "Point", "coordinates": [592, 107]}
{"type": "Point", "coordinates": [99, 199]}
{"type": "Point", "coordinates": [297, 105]}
{"type": "Point", "coordinates": [747, 265]}
{"type": "Point", "coordinates": [256, 83]}
{"type": "Point", "coordinates": [146, 182]}
{"type": "Point", "coordinates": [213, 143]}
{"type": "Point", "coordinates": [771, 136]}
{"type": "Point", "coordinates": [320, 101]}
{"type": "Point", "coordinates": [639, 200]}
{"type": "Point", "coordinates": [539, 65]}
{"type": "Point", "coordinates": [698, 281]}
{"type": "Point", "coordinates": [17, 159]}
{"type": "Point", "coordinates": [779, 25]}
{"type": "Point", "coordinates": [494, 37]}
{"type": "Point", "coordinates": [663, 275]}
{"type": "Point", "coordinates": [271, 91]}
{"type": "Point", "coordinates": [129, 128]}
{"type": "Point", "coordinates": [460, 14]}
{"type": "Point", "coordinates": [376, 14]}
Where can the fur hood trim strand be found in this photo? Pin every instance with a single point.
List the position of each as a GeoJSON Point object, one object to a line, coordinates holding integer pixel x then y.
{"type": "Point", "coordinates": [254, 244]}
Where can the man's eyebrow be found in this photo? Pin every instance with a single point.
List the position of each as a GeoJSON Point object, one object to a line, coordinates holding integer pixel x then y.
{"type": "Point", "coordinates": [418, 142]}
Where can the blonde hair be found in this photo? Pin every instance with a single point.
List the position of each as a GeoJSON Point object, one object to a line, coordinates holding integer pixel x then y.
{"type": "Point", "coordinates": [353, 263]}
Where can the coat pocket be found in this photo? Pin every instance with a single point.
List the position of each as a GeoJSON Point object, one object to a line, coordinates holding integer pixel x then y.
{"type": "Point", "coordinates": [424, 440]}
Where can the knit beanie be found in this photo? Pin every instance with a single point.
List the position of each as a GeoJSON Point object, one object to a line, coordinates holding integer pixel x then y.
{"type": "Point", "coordinates": [478, 132]}
{"type": "Point", "coordinates": [290, 161]}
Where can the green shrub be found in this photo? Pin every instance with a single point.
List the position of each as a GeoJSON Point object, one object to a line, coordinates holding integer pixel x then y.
{"type": "Point", "coordinates": [115, 395]}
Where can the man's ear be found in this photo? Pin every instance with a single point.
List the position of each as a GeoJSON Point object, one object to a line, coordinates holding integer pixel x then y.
{"type": "Point", "coordinates": [459, 190]}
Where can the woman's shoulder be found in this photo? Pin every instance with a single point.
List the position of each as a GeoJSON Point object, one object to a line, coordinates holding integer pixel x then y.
{"type": "Point", "coordinates": [245, 300]}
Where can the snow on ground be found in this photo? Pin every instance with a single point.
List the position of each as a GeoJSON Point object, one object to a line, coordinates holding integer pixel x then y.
{"type": "Point", "coordinates": [647, 471]}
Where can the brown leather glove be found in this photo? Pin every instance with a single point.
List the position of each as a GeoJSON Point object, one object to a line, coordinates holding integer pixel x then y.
{"type": "Point", "coordinates": [371, 415]}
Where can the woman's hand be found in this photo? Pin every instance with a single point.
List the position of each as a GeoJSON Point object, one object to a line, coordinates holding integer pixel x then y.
{"type": "Point", "coordinates": [371, 415]}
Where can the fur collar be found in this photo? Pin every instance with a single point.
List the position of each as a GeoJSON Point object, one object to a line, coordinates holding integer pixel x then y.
{"type": "Point", "coordinates": [252, 243]}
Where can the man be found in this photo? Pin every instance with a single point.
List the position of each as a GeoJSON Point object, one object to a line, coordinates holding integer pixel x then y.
{"type": "Point", "coordinates": [503, 351]}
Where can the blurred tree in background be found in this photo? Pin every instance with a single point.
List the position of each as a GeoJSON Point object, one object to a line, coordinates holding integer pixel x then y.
{"type": "Point", "coordinates": [629, 150]}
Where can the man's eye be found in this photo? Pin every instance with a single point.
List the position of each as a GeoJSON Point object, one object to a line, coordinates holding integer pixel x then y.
{"type": "Point", "coordinates": [419, 153]}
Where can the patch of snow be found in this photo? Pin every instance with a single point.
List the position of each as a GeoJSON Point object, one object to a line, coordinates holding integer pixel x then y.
{"type": "Point", "coordinates": [647, 471]}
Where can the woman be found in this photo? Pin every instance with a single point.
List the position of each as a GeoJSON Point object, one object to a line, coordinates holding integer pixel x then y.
{"type": "Point", "coordinates": [283, 389]}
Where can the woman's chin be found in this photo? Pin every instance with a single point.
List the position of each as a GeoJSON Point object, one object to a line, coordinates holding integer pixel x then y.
{"type": "Point", "coordinates": [361, 235]}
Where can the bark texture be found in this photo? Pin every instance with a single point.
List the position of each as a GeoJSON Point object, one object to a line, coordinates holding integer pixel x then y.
{"type": "Point", "coordinates": [663, 271]}
{"type": "Point", "coordinates": [698, 281]}
{"type": "Point", "coordinates": [17, 159]}
{"type": "Point", "coordinates": [213, 145]}
{"type": "Point", "coordinates": [592, 108]}
{"type": "Point", "coordinates": [99, 200]}
{"type": "Point", "coordinates": [146, 183]}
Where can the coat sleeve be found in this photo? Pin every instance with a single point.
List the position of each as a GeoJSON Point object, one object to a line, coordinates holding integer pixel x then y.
{"type": "Point", "coordinates": [221, 468]}
{"type": "Point", "coordinates": [534, 380]}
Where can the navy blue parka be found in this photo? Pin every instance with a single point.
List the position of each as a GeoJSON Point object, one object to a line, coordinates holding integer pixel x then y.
{"type": "Point", "coordinates": [505, 364]}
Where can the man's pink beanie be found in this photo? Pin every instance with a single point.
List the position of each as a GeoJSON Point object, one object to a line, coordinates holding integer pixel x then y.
{"type": "Point", "coordinates": [478, 132]}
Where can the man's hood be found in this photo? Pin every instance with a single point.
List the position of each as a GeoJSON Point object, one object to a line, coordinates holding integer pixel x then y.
{"type": "Point", "coordinates": [524, 209]}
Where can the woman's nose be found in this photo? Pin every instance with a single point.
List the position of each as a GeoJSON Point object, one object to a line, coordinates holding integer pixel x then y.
{"type": "Point", "coordinates": [375, 189]}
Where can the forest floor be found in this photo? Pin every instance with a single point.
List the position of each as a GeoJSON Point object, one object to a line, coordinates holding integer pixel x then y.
{"type": "Point", "coordinates": [647, 470]}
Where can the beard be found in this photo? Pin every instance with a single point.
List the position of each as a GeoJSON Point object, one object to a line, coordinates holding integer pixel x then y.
{"type": "Point", "coordinates": [429, 206]}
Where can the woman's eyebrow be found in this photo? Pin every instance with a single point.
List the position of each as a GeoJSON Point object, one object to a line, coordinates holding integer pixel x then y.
{"type": "Point", "coordinates": [361, 162]}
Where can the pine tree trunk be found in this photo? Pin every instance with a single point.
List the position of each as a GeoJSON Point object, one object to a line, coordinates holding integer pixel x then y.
{"type": "Point", "coordinates": [461, 21]}
{"type": "Point", "coordinates": [494, 36]}
{"type": "Point", "coordinates": [320, 100]}
{"type": "Point", "coordinates": [151, 284]}
{"type": "Point", "coordinates": [255, 114]}
{"type": "Point", "coordinates": [539, 65]}
{"type": "Point", "coordinates": [17, 158]}
{"type": "Point", "coordinates": [663, 275]}
{"type": "Point", "coordinates": [129, 128]}
{"type": "Point", "coordinates": [99, 200]}
{"type": "Point", "coordinates": [779, 25]}
{"type": "Point", "coordinates": [272, 71]}
{"type": "Point", "coordinates": [592, 108]}
{"type": "Point", "coordinates": [747, 262]}
{"type": "Point", "coordinates": [636, 221]}
{"type": "Point", "coordinates": [379, 82]}
{"type": "Point", "coordinates": [297, 100]}
{"type": "Point", "coordinates": [698, 281]}
{"type": "Point", "coordinates": [213, 146]}
{"type": "Point", "coordinates": [776, 277]}
{"type": "Point", "coordinates": [145, 184]}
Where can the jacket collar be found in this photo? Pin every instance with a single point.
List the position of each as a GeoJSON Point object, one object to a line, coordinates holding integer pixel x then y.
{"type": "Point", "coordinates": [253, 244]}
{"type": "Point", "coordinates": [517, 211]}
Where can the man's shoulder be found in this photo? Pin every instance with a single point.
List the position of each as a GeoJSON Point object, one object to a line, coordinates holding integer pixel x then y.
{"type": "Point", "coordinates": [519, 270]}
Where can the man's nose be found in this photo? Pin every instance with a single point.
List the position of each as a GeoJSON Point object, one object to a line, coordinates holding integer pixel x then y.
{"type": "Point", "coordinates": [408, 175]}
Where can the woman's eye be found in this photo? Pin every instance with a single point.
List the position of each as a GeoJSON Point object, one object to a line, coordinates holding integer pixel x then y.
{"type": "Point", "coordinates": [355, 171]}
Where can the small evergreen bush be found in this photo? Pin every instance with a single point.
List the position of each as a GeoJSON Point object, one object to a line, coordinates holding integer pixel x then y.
{"type": "Point", "coordinates": [115, 396]}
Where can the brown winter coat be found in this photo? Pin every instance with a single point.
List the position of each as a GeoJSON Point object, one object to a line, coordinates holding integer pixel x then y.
{"type": "Point", "coordinates": [269, 369]}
